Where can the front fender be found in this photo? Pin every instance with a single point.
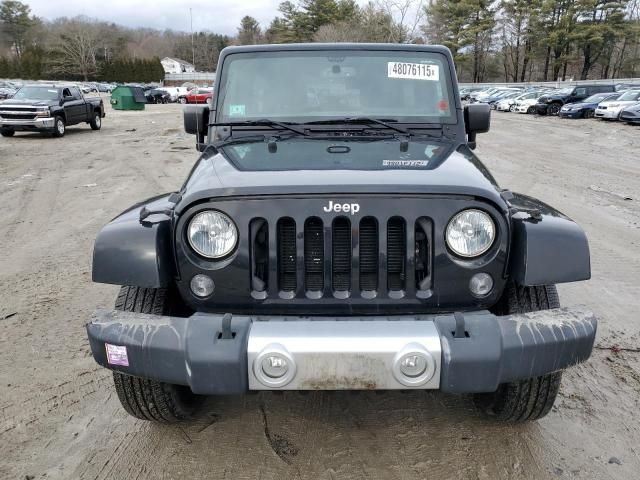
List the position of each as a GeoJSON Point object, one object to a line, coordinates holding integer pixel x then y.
{"type": "Point", "coordinates": [547, 246]}
{"type": "Point", "coordinates": [130, 252]}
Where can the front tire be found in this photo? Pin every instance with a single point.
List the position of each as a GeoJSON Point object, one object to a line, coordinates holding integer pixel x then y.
{"type": "Point", "coordinates": [59, 127]}
{"type": "Point", "coordinates": [529, 399]}
{"type": "Point", "coordinates": [553, 109]}
{"type": "Point", "coordinates": [96, 121]}
{"type": "Point", "coordinates": [149, 399]}
{"type": "Point", "coordinates": [7, 132]}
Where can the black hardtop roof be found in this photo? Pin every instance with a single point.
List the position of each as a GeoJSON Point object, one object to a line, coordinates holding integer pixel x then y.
{"type": "Point", "coordinates": [283, 47]}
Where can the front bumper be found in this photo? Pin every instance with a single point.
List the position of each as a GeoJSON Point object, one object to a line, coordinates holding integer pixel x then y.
{"type": "Point", "coordinates": [39, 123]}
{"type": "Point", "coordinates": [610, 114]}
{"type": "Point", "coordinates": [463, 353]}
{"type": "Point", "coordinates": [542, 108]}
{"type": "Point", "coordinates": [570, 114]}
{"type": "Point", "coordinates": [630, 117]}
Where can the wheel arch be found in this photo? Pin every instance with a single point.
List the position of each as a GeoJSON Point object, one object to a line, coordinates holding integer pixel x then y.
{"type": "Point", "coordinates": [547, 246]}
{"type": "Point", "coordinates": [138, 253]}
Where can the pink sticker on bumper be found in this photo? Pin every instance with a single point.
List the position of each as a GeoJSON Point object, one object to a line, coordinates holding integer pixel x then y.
{"type": "Point", "coordinates": [117, 355]}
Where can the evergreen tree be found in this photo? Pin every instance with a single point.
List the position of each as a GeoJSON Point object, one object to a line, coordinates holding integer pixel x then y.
{"type": "Point", "coordinates": [249, 32]}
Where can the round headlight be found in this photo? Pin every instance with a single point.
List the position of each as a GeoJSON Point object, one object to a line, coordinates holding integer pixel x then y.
{"type": "Point", "coordinates": [212, 234]}
{"type": "Point", "coordinates": [470, 233]}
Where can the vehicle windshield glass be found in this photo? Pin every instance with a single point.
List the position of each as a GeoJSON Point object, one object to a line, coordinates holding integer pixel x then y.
{"type": "Point", "coordinates": [320, 154]}
{"type": "Point", "coordinates": [630, 96]}
{"type": "Point", "coordinates": [563, 91]}
{"type": "Point", "coordinates": [597, 98]}
{"type": "Point", "coordinates": [300, 86]}
{"type": "Point", "coordinates": [37, 93]}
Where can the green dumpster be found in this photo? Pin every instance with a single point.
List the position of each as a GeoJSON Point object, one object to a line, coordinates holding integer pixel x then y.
{"type": "Point", "coordinates": [128, 98]}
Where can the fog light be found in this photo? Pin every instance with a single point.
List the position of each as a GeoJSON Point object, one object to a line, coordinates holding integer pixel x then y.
{"type": "Point", "coordinates": [481, 284]}
{"type": "Point", "coordinates": [202, 286]}
{"type": "Point", "coordinates": [413, 365]}
{"type": "Point", "coordinates": [275, 366]}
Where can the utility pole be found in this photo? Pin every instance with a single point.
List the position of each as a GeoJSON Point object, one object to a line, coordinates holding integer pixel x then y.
{"type": "Point", "coordinates": [193, 50]}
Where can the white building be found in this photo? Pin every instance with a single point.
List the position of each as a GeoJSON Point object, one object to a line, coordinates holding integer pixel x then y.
{"type": "Point", "coordinates": [175, 65]}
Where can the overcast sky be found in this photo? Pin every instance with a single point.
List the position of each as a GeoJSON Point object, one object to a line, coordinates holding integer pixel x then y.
{"type": "Point", "coordinates": [219, 16]}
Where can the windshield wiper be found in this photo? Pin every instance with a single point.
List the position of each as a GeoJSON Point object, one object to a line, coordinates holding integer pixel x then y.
{"type": "Point", "coordinates": [355, 120]}
{"type": "Point", "coordinates": [265, 122]}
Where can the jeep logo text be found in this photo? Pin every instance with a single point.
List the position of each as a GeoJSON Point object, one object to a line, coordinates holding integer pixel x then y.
{"type": "Point", "coordinates": [352, 208]}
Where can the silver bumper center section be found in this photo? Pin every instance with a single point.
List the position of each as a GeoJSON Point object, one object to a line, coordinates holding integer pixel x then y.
{"type": "Point", "coordinates": [344, 354]}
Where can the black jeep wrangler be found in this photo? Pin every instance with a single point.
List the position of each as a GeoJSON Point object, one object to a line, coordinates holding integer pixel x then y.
{"type": "Point", "coordinates": [338, 232]}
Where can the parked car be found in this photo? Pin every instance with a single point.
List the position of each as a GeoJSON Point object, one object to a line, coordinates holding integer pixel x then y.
{"type": "Point", "coordinates": [175, 92]}
{"type": "Point", "coordinates": [483, 97]}
{"type": "Point", "coordinates": [631, 114]}
{"type": "Point", "coordinates": [509, 104]}
{"type": "Point", "coordinates": [270, 269]}
{"type": "Point", "coordinates": [197, 95]}
{"type": "Point", "coordinates": [6, 92]}
{"type": "Point", "coordinates": [587, 107]}
{"type": "Point", "coordinates": [466, 92]}
{"type": "Point", "coordinates": [611, 109]}
{"type": "Point", "coordinates": [504, 94]}
{"type": "Point", "coordinates": [105, 87]}
{"type": "Point", "coordinates": [89, 88]}
{"type": "Point", "coordinates": [526, 106]}
{"type": "Point", "coordinates": [551, 103]}
{"type": "Point", "coordinates": [473, 96]}
{"type": "Point", "coordinates": [49, 108]}
{"type": "Point", "coordinates": [157, 96]}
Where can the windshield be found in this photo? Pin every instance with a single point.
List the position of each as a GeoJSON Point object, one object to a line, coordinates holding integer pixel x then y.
{"type": "Point", "coordinates": [598, 97]}
{"type": "Point", "coordinates": [300, 86]}
{"type": "Point", "coordinates": [630, 96]}
{"type": "Point", "coordinates": [37, 93]}
{"type": "Point", "coordinates": [563, 91]}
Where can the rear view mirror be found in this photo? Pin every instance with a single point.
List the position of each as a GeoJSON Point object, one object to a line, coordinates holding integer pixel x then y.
{"type": "Point", "coordinates": [477, 119]}
{"type": "Point", "coordinates": [196, 122]}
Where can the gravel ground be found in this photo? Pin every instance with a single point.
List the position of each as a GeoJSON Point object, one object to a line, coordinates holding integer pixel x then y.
{"type": "Point", "coordinates": [59, 415]}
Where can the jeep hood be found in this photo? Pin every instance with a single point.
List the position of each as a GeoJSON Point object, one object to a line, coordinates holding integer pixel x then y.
{"type": "Point", "coordinates": [457, 171]}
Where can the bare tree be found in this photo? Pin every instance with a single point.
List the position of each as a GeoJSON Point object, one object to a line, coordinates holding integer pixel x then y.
{"type": "Point", "coordinates": [407, 14]}
{"type": "Point", "coordinates": [76, 48]}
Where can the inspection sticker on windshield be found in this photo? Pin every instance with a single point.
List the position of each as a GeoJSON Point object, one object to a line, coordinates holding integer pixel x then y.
{"type": "Point", "coordinates": [117, 355]}
{"type": "Point", "coordinates": [415, 71]}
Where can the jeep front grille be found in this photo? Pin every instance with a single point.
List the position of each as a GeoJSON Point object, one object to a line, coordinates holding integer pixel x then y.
{"type": "Point", "coordinates": [341, 259]}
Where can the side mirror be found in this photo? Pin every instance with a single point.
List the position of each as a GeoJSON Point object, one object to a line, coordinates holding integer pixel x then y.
{"type": "Point", "coordinates": [196, 122]}
{"type": "Point", "coordinates": [477, 119]}
{"type": "Point", "coordinates": [66, 99]}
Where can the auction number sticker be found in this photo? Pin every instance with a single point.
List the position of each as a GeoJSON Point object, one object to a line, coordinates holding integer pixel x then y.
{"type": "Point", "coordinates": [415, 71]}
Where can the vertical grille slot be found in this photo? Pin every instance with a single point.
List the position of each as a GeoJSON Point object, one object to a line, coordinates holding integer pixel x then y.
{"type": "Point", "coordinates": [368, 254]}
{"type": "Point", "coordinates": [423, 235]}
{"type": "Point", "coordinates": [313, 255]}
{"type": "Point", "coordinates": [341, 255]}
{"type": "Point", "coordinates": [259, 232]}
{"type": "Point", "coordinates": [287, 255]}
{"type": "Point", "coordinates": [396, 254]}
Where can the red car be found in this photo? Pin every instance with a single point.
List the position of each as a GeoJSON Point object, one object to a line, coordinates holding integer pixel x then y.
{"type": "Point", "coordinates": [197, 95]}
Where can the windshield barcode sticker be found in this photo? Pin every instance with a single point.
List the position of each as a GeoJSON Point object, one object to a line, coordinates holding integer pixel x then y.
{"type": "Point", "coordinates": [416, 71]}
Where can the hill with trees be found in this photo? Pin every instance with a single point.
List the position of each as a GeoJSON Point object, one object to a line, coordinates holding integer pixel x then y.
{"type": "Point", "coordinates": [501, 40]}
